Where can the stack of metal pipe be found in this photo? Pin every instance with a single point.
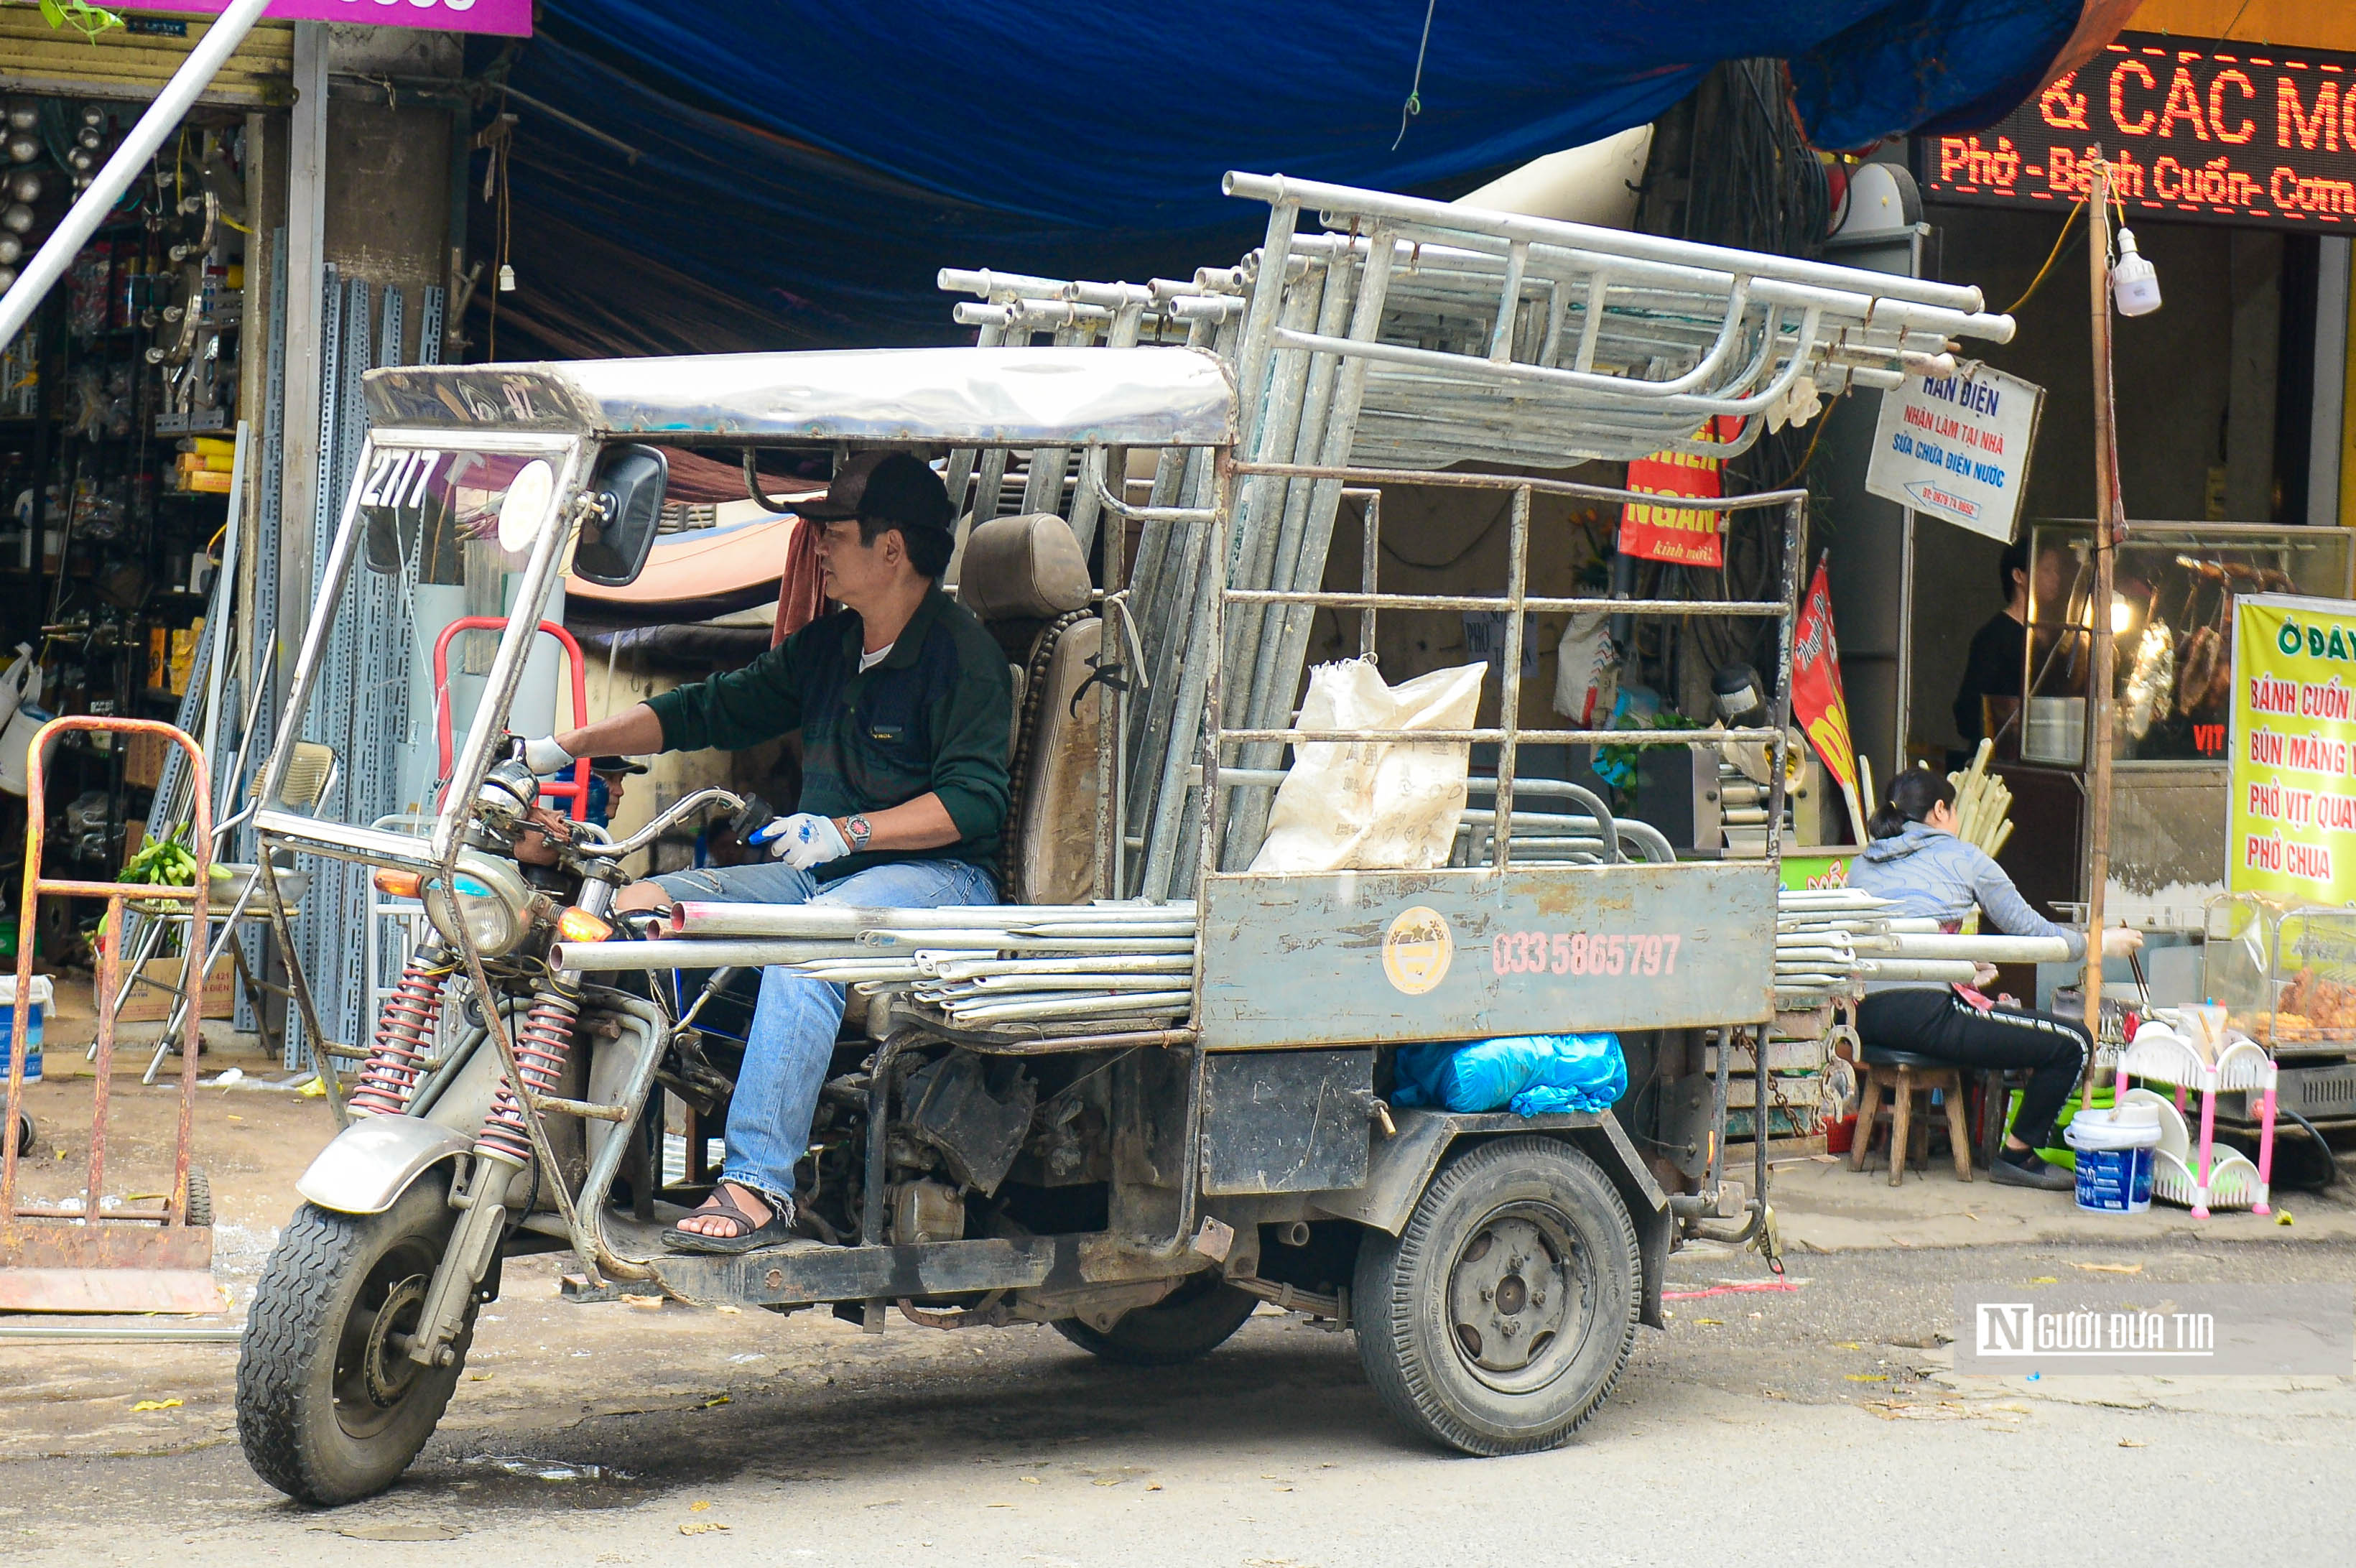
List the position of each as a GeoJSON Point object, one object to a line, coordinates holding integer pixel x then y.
{"type": "Point", "coordinates": [977, 965]}
{"type": "Point", "coordinates": [1410, 334]}
{"type": "Point", "coordinates": [1830, 943]}
{"type": "Point", "coordinates": [1816, 932]}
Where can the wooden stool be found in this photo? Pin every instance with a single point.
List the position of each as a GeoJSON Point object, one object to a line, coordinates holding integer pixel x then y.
{"type": "Point", "coordinates": [1903, 1075]}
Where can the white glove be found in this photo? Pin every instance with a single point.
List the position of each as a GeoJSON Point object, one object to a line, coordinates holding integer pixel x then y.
{"type": "Point", "coordinates": [2120, 941]}
{"type": "Point", "coordinates": [803, 840]}
{"type": "Point", "coordinates": [544, 756]}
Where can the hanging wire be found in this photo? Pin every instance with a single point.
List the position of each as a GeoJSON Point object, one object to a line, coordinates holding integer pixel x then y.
{"type": "Point", "coordinates": [1753, 182]}
{"type": "Point", "coordinates": [1414, 104]}
{"type": "Point", "coordinates": [2051, 256]}
{"type": "Point", "coordinates": [1824, 418]}
{"type": "Point", "coordinates": [497, 180]}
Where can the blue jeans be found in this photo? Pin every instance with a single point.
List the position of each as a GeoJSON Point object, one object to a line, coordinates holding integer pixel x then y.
{"type": "Point", "coordinates": [794, 1023]}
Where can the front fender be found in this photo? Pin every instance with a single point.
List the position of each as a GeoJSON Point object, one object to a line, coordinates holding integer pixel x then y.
{"type": "Point", "coordinates": [372, 1162]}
{"type": "Point", "coordinates": [1401, 1166]}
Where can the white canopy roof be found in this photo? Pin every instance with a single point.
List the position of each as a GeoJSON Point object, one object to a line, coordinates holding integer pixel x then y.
{"type": "Point", "coordinates": [964, 397]}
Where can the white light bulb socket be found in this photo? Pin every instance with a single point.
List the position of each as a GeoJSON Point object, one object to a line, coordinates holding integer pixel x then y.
{"type": "Point", "coordinates": [2135, 282]}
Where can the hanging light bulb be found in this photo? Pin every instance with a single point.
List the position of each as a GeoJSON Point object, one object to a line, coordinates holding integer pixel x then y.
{"type": "Point", "coordinates": [23, 116]}
{"type": "Point", "coordinates": [24, 186]}
{"type": "Point", "coordinates": [23, 148]}
{"type": "Point", "coordinates": [17, 218]}
{"type": "Point", "coordinates": [11, 250]}
{"type": "Point", "coordinates": [7, 278]}
{"type": "Point", "coordinates": [2135, 284]}
{"type": "Point", "coordinates": [81, 160]}
{"type": "Point", "coordinates": [92, 115]}
{"type": "Point", "coordinates": [2122, 615]}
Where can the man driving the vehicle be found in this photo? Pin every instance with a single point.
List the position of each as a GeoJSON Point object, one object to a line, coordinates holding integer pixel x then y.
{"type": "Point", "coordinates": [904, 703]}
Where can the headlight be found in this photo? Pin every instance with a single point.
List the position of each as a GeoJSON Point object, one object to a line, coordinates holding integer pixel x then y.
{"type": "Point", "coordinates": [485, 904]}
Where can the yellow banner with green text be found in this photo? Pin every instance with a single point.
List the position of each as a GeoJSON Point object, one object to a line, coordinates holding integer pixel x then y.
{"type": "Point", "coordinates": [2291, 822]}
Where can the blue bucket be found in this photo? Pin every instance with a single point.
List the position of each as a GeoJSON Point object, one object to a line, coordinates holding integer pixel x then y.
{"type": "Point", "coordinates": [41, 993]}
{"type": "Point", "coordinates": [2116, 1153]}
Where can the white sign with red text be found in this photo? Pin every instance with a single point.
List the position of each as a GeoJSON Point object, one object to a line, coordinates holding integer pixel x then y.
{"type": "Point", "coordinates": [1958, 447]}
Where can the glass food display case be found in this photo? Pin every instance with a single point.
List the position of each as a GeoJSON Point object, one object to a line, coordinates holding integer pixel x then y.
{"type": "Point", "coordinates": [2171, 617]}
{"type": "Point", "coordinates": [2286, 973]}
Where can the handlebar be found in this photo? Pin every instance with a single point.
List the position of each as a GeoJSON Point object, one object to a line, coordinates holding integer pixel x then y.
{"type": "Point", "coordinates": [670, 816]}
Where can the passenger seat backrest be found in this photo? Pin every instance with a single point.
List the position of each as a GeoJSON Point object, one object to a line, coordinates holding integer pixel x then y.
{"type": "Point", "coordinates": [1055, 835]}
{"type": "Point", "coordinates": [1025, 578]}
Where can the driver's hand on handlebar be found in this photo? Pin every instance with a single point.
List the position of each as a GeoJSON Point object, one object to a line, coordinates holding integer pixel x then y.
{"type": "Point", "coordinates": [544, 756]}
{"type": "Point", "coordinates": [803, 840]}
{"type": "Point", "coordinates": [543, 830]}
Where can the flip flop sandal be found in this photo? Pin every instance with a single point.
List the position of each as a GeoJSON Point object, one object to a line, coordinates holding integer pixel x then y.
{"type": "Point", "coordinates": [777, 1228]}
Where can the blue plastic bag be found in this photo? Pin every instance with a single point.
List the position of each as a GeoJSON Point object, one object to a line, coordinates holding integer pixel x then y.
{"type": "Point", "coordinates": [1534, 1074]}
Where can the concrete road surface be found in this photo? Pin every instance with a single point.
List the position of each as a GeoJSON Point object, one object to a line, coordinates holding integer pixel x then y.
{"type": "Point", "coordinates": [1812, 1426]}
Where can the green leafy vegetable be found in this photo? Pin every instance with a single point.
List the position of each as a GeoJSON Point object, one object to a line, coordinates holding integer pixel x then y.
{"type": "Point", "coordinates": [80, 15]}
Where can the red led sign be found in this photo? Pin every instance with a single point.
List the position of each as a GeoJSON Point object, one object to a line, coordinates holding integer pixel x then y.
{"type": "Point", "coordinates": [2192, 129]}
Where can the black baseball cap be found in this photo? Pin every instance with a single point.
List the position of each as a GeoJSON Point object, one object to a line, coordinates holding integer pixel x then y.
{"type": "Point", "coordinates": [885, 487]}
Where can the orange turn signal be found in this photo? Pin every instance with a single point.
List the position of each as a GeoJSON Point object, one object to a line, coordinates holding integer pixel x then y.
{"type": "Point", "coordinates": [397, 884]}
{"type": "Point", "coordinates": [578, 925]}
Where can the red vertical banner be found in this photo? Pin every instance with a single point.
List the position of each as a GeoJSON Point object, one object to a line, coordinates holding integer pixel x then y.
{"type": "Point", "coordinates": [1678, 535]}
{"type": "Point", "coordinates": [1817, 701]}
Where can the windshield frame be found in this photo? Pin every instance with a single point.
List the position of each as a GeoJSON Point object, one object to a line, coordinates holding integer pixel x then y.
{"type": "Point", "coordinates": [571, 453]}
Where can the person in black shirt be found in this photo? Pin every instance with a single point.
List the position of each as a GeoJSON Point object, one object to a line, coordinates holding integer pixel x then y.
{"type": "Point", "coordinates": [1993, 669]}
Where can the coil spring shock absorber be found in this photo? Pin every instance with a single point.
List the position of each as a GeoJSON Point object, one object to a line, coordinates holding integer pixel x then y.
{"type": "Point", "coordinates": [404, 1036]}
{"type": "Point", "coordinates": [540, 1048]}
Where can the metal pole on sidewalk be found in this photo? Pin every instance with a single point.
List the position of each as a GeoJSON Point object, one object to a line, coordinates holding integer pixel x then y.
{"type": "Point", "coordinates": [82, 219]}
{"type": "Point", "coordinates": [2110, 525]}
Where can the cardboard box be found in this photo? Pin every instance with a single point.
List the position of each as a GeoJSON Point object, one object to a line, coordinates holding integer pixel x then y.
{"type": "Point", "coordinates": [151, 1003]}
{"type": "Point", "coordinates": [142, 760]}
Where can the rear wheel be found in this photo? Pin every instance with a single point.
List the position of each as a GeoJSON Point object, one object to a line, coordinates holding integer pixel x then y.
{"type": "Point", "coordinates": [1500, 1319]}
{"type": "Point", "coordinates": [1188, 1324]}
{"type": "Point", "coordinates": [330, 1406]}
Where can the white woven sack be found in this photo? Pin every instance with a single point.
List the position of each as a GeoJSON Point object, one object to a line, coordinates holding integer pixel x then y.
{"type": "Point", "coordinates": [1374, 805]}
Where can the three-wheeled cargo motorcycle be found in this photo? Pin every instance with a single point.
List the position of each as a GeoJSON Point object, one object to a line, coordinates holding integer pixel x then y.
{"type": "Point", "coordinates": [1140, 1182]}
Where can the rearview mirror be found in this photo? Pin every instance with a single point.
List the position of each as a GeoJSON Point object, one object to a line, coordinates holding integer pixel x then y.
{"type": "Point", "coordinates": [629, 481]}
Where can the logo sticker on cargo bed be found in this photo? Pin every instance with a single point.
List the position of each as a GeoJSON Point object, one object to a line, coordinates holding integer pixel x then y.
{"type": "Point", "coordinates": [1417, 949]}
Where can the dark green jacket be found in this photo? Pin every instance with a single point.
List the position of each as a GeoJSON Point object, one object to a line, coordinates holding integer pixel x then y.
{"type": "Point", "coordinates": [933, 716]}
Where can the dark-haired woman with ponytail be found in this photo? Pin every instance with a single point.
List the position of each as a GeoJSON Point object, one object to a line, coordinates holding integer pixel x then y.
{"type": "Point", "coordinates": [1917, 861]}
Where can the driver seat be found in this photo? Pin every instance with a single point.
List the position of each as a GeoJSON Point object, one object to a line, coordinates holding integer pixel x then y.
{"type": "Point", "coordinates": [1025, 579]}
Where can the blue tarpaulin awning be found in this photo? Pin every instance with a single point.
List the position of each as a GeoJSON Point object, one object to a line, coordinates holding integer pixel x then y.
{"type": "Point", "coordinates": [803, 168]}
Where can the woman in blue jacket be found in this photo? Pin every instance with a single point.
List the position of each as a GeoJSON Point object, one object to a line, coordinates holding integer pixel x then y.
{"type": "Point", "coordinates": [1917, 861]}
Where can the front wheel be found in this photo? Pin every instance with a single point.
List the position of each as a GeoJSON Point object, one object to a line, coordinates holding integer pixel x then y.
{"type": "Point", "coordinates": [1500, 1319]}
{"type": "Point", "coordinates": [330, 1406]}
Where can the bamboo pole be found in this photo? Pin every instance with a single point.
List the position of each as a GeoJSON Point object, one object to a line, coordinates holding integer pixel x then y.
{"type": "Point", "coordinates": [2110, 524]}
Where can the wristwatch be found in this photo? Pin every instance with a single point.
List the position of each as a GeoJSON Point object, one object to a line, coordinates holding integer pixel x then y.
{"type": "Point", "coordinates": [857, 830]}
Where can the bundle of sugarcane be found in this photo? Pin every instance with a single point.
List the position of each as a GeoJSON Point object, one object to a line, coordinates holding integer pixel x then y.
{"type": "Point", "coordinates": [1982, 805]}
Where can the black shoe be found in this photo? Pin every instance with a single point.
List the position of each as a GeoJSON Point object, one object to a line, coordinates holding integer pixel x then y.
{"type": "Point", "coordinates": [2025, 1167]}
